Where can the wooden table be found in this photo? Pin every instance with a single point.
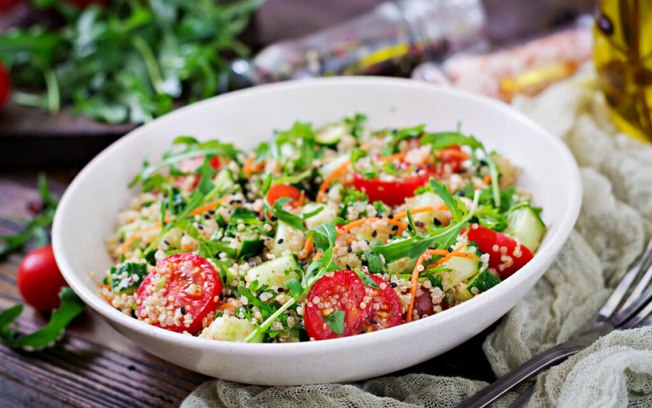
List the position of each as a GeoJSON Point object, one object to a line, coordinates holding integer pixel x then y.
{"type": "Point", "coordinates": [93, 365]}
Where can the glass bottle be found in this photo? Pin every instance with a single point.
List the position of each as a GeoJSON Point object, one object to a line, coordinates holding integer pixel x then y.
{"type": "Point", "coordinates": [390, 40]}
{"type": "Point", "coordinates": [623, 59]}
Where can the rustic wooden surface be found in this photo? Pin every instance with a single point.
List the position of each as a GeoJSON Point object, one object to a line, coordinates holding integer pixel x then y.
{"type": "Point", "coordinates": [96, 367]}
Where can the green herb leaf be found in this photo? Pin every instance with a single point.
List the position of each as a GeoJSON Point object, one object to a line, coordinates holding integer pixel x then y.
{"type": "Point", "coordinates": [335, 321]}
{"type": "Point", "coordinates": [70, 307]}
{"type": "Point", "coordinates": [366, 279]}
{"type": "Point", "coordinates": [441, 140]}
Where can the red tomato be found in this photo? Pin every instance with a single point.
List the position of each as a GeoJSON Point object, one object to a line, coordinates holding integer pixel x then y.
{"type": "Point", "coordinates": [179, 293]}
{"type": "Point", "coordinates": [384, 310]}
{"type": "Point", "coordinates": [506, 255]}
{"type": "Point", "coordinates": [344, 291]}
{"type": "Point", "coordinates": [391, 193]}
{"type": "Point", "coordinates": [278, 191]}
{"type": "Point", "coordinates": [423, 303]}
{"type": "Point", "coordinates": [39, 279]}
{"type": "Point", "coordinates": [5, 86]}
{"type": "Point", "coordinates": [191, 166]}
{"type": "Point", "coordinates": [8, 5]}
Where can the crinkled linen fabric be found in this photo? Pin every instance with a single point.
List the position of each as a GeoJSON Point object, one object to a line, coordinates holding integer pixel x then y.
{"type": "Point", "coordinates": [614, 223]}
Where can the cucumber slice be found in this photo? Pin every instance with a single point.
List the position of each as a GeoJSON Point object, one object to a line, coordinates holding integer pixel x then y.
{"type": "Point", "coordinates": [230, 329]}
{"type": "Point", "coordinates": [427, 199]}
{"type": "Point", "coordinates": [525, 225]}
{"type": "Point", "coordinates": [327, 214]}
{"type": "Point", "coordinates": [275, 273]}
{"type": "Point", "coordinates": [283, 239]}
{"type": "Point", "coordinates": [461, 269]}
{"type": "Point", "coordinates": [331, 135]}
{"type": "Point", "coordinates": [484, 281]}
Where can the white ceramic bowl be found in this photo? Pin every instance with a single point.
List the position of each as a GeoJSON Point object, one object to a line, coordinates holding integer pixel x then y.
{"type": "Point", "coordinates": [88, 212]}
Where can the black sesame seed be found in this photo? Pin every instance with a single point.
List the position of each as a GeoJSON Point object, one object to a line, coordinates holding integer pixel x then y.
{"type": "Point", "coordinates": [373, 321]}
{"type": "Point", "coordinates": [280, 241]}
{"type": "Point", "coordinates": [274, 218]}
{"type": "Point", "coordinates": [280, 290]}
{"type": "Point", "coordinates": [367, 241]}
{"type": "Point", "coordinates": [349, 249]}
{"type": "Point", "coordinates": [450, 249]}
{"type": "Point", "coordinates": [394, 227]}
{"type": "Point", "coordinates": [461, 193]}
{"type": "Point", "coordinates": [393, 284]}
{"type": "Point", "coordinates": [483, 162]}
{"type": "Point", "coordinates": [374, 233]}
{"type": "Point", "coordinates": [166, 243]}
{"type": "Point", "coordinates": [348, 266]}
{"type": "Point", "coordinates": [211, 212]}
{"type": "Point", "coordinates": [200, 227]}
{"type": "Point", "coordinates": [221, 296]}
{"type": "Point", "coordinates": [390, 216]}
{"type": "Point", "coordinates": [379, 215]}
{"type": "Point", "coordinates": [418, 224]}
{"type": "Point", "coordinates": [183, 310]}
{"type": "Point", "coordinates": [207, 216]}
{"type": "Point", "coordinates": [436, 221]}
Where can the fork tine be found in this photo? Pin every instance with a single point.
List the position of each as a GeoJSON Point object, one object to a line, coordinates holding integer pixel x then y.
{"type": "Point", "coordinates": [625, 284]}
{"type": "Point", "coordinates": [635, 311]}
{"type": "Point", "coordinates": [639, 289]}
{"type": "Point", "coordinates": [639, 317]}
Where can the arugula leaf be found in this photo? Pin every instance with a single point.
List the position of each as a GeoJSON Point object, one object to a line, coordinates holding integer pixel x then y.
{"type": "Point", "coordinates": [289, 218]}
{"type": "Point", "coordinates": [335, 321]}
{"type": "Point", "coordinates": [451, 202]}
{"type": "Point", "coordinates": [356, 124]}
{"type": "Point", "coordinates": [441, 140]}
{"type": "Point", "coordinates": [70, 307]}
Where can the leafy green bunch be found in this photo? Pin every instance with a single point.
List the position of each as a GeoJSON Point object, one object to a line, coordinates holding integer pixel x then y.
{"type": "Point", "coordinates": [129, 61]}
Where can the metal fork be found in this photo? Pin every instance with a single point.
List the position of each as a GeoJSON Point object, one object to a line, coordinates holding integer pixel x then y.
{"type": "Point", "coordinates": [628, 306]}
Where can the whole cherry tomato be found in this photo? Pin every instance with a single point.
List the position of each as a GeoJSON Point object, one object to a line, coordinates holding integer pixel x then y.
{"type": "Point", "coordinates": [39, 279]}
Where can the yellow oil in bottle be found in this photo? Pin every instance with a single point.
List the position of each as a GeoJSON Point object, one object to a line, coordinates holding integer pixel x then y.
{"type": "Point", "coordinates": [623, 59]}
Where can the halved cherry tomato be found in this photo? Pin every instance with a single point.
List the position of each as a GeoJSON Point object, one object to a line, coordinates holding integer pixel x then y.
{"type": "Point", "coordinates": [190, 166]}
{"type": "Point", "coordinates": [343, 291]}
{"type": "Point", "coordinates": [391, 193]}
{"type": "Point", "coordinates": [365, 308]}
{"type": "Point", "coordinates": [506, 255]}
{"type": "Point", "coordinates": [39, 279]}
{"type": "Point", "coordinates": [5, 86]}
{"type": "Point", "coordinates": [179, 293]}
{"type": "Point", "coordinates": [384, 309]}
{"type": "Point", "coordinates": [8, 5]}
{"type": "Point", "coordinates": [278, 191]}
{"type": "Point", "coordinates": [423, 303]}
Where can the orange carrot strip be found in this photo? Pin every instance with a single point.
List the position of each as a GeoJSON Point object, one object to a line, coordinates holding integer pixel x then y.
{"type": "Point", "coordinates": [487, 179]}
{"type": "Point", "coordinates": [421, 210]}
{"type": "Point", "coordinates": [415, 274]}
{"type": "Point", "coordinates": [329, 180]}
{"type": "Point", "coordinates": [209, 206]}
{"type": "Point", "coordinates": [392, 157]}
{"type": "Point", "coordinates": [246, 169]}
{"type": "Point", "coordinates": [308, 246]}
{"type": "Point", "coordinates": [225, 306]}
{"type": "Point", "coordinates": [138, 234]}
{"type": "Point", "coordinates": [357, 223]}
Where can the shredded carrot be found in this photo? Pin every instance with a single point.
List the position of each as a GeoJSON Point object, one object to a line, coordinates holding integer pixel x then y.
{"type": "Point", "coordinates": [318, 256]}
{"type": "Point", "coordinates": [415, 273]}
{"type": "Point", "coordinates": [308, 246]}
{"type": "Point", "coordinates": [392, 157]}
{"type": "Point", "coordinates": [421, 210]}
{"type": "Point", "coordinates": [329, 180]}
{"type": "Point", "coordinates": [357, 223]}
{"type": "Point", "coordinates": [247, 167]}
{"type": "Point", "coordinates": [138, 234]}
{"type": "Point", "coordinates": [225, 306]}
{"type": "Point", "coordinates": [209, 206]}
{"type": "Point", "coordinates": [487, 179]}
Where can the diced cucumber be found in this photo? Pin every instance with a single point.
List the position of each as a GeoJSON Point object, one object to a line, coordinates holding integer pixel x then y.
{"type": "Point", "coordinates": [126, 278]}
{"type": "Point", "coordinates": [328, 213]}
{"type": "Point", "coordinates": [250, 247]}
{"type": "Point", "coordinates": [427, 199]}
{"type": "Point", "coordinates": [275, 273]}
{"type": "Point", "coordinates": [483, 281]}
{"type": "Point", "coordinates": [224, 182]}
{"type": "Point", "coordinates": [331, 135]}
{"type": "Point", "coordinates": [326, 169]}
{"type": "Point", "coordinates": [525, 225]}
{"type": "Point", "coordinates": [283, 238]}
{"type": "Point", "coordinates": [402, 265]}
{"type": "Point", "coordinates": [229, 328]}
{"type": "Point", "coordinates": [461, 268]}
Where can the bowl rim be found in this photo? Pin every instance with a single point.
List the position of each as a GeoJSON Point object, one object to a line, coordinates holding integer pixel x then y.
{"type": "Point", "coordinates": [544, 255]}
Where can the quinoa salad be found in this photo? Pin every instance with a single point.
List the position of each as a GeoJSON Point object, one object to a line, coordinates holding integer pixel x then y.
{"type": "Point", "coordinates": [319, 233]}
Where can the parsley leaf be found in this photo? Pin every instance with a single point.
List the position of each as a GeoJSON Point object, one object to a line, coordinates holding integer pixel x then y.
{"type": "Point", "coordinates": [335, 321]}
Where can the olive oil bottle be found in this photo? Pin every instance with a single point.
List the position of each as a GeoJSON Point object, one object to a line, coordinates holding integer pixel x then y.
{"type": "Point", "coordinates": [623, 59]}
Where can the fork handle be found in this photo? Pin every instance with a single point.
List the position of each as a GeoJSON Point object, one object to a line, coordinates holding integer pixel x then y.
{"type": "Point", "coordinates": [539, 363]}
